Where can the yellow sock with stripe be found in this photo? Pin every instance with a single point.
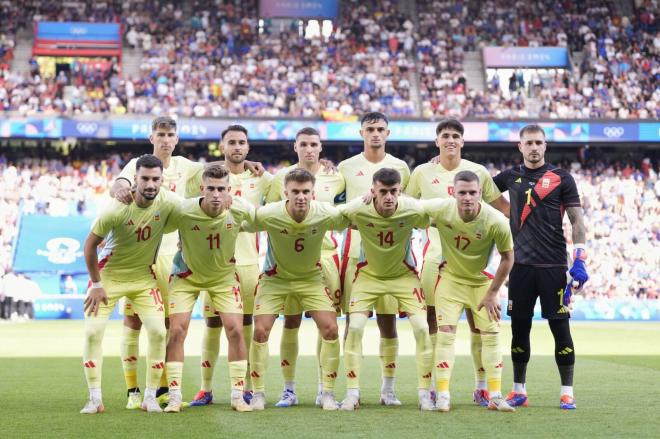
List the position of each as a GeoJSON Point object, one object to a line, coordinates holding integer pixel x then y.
{"type": "Point", "coordinates": [423, 350]}
{"type": "Point", "coordinates": [164, 377]}
{"type": "Point", "coordinates": [353, 350]}
{"type": "Point", "coordinates": [130, 352]}
{"type": "Point", "coordinates": [237, 372]}
{"type": "Point", "coordinates": [156, 333]}
{"type": "Point", "coordinates": [93, 351]}
{"type": "Point", "coordinates": [388, 349]}
{"type": "Point", "coordinates": [289, 354]}
{"type": "Point", "coordinates": [247, 338]}
{"type": "Point", "coordinates": [444, 360]}
{"type": "Point", "coordinates": [329, 357]}
{"type": "Point", "coordinates": [174, 371]}
{"type": "Point", "coordinates": [210, 352]}
{"type": "Point", "coordinates": [258, 364]}
{"type": "Point", "coordinates": [492, 356]}
{"type": "Point", "coordinates": [434, 340]}
{"type": "Point", "coordinates": [477, 361]}
{"type": "Point", "coordinates": [319, 369]}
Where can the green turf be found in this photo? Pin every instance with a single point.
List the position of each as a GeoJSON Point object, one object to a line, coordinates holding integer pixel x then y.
{"type": "Point", "coordinates": [616, 390]}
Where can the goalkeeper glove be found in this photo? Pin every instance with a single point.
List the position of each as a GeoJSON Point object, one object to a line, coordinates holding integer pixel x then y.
{"type": "Point", "coordinates": [578, 273]}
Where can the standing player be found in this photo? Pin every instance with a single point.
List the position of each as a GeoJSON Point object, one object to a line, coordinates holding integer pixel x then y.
{"type": "Point", "coordinates": [468, 229]}
{"type": "Point", "coordinates": [296, 228]}
{"type": "Point", "coordinates": [436, 180]}
{"type": "Point", "coordinates": [132, 236]}
{"type": "Point", "coordinates": [206, 262]}
{"type": "Point", "coordinates": [358, 172]}
{"type": "Point", "coordinates": [329, 188]}
{"type": "Point", "coordinates": [252, 188]}
{"type": "Point", "coordinates": [539, 193]}
{"type": "Point", "coordinates": [386, 268]}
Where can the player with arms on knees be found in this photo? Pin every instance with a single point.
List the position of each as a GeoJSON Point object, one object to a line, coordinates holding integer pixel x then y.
{"type": "Point", "coordinates": [296, 228]}
{"type": "Point", "coordinates": [386, 268]}
{"type": "Point", "coordinates": [132, 235]}
{"type": "Point", "coordinates": [329, 187]}
{"type": "Point", "coordinates": [468, 229]}
{"type": "Point", "coordinates": [539, 194]}
{"type": "Point", "coordinates": [208, 232]}
{"type": "Point", "coordinates": [358, 172]}
{"type": "Point", "coordinates": [436, 180]}
{"type": "Point", "coordinates": [252, 188]}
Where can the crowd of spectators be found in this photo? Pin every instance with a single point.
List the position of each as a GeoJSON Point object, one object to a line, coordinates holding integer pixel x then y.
{"type": "Point", "coordinates": [216, 58]}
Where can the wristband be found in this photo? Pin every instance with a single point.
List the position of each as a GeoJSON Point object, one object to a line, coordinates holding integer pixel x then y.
{"type": "Point", "coordinates": [579, 252]}
{"type": "Point", "coordinates": [96, 285]}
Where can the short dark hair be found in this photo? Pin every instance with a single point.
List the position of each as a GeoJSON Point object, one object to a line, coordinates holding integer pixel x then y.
{"type": "Point", "coordinates": [163, 122]}
{"type": "Point", "coordinates": [299, 175]}
{"type": "Point", "coordinates": [239, 128]}
{"type": "Point", "coordinates": [308, 131]}
{"type": "Point", "coordinates": [387, 176]}
{"type": "Point", "coordinates": [467, 176]}
{"type": "Point", "coordinates": [149, 161]}
{"type": "Point", "coordinates": [214, 170]}
{"type": "Point", "coordinates": [373, 116]}
{"type": "Point", "coordinates": [531, 128]}
{"type": "Point", "coordinates": [451, 124]}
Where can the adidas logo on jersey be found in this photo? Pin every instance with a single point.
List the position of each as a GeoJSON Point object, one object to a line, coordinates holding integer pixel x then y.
{"type": "Point", "coordinates": [370, 225]}
{"type": "Point", "coordinates": [157, 216]}
{"type": "Point", "coordinates": [195, 228]}
{"type": "Point", "coordinates": [435, 181]}
{"type": "Point", "coordinates": [360, 174]}
{"type": "Point", "coordinates": [518, 180]}
{"type": "Point", "coordinates": [130, 223]}
{"type": "Point", "coordinates": [284, 232]}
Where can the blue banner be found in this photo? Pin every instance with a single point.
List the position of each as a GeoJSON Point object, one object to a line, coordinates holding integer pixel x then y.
{"type": "Point", "coordinates": [139, 128]}
{"type": "Point", "coordinates": [51, 243]}
{"type": "Point", "coordinates": [78, 31]}
{"type": "Point", "coordinates": [327, 9]}
{"type": "Point", "coordinates": [534, 57]}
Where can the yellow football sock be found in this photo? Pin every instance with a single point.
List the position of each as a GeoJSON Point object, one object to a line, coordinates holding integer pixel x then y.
{"type": "Point", "coordinates": [247, 337]}
{"type": "Point", "coordinates": [210, 352]}
{"type": "Point", "coordinates": [477, 362]}
{"type": "Point", "coordinates": [423, 350]}
{"type": "Point", "coordinates": [319, 344]}
{"type": "Point", "coordinates": [389, 347]}
{"type": "Point", "coordinates": [444, 360]}
{"type": "Point", "coordinates": [492, 362]}
{"type": "Point", "coordinates": [258, 364]}
{"type": "Point", "coordinates": [289, 354]}
{"type": "Point", "coordinates": [237, 372]}
{"type": "Point", "coordinates": [353, 350]}
{"type": "Point", "coordinates": [164, 377]}
{"type": "Point", "coordinates": [93, 351]}
{"type": "Point", "coordinates": [174, 371]}
{"type": "Point", "coordinates": [329, 357]}
{"type": "Point", "coordinates": [130, 352]}
{"type": "Point", "coordinates": [156, 333]}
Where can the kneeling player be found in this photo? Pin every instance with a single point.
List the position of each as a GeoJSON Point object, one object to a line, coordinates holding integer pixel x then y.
{"type": "Point", "coordinates": [296, 228]}
{"type": "Point", "coordinates": [205, 262]}
{"type": "Point", "coordinates": [468, 229]}
{"type": "Point", "coordinates": [132, 236]}
{"type": "Point", "coordinates": [387, 267]}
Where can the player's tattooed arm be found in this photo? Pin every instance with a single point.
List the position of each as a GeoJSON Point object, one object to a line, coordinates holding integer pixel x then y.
{"type": "Point", "coordinates": [576, 218]}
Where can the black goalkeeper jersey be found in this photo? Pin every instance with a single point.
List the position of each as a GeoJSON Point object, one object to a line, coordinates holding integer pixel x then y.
{"type": "Point", "coordinates": [538, 198]}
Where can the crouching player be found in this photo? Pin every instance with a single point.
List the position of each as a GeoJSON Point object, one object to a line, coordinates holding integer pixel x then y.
{"type": "Point", "coordinates": [132, 236]}
{"type": "Point", "coordinates": [468, 229]}
{"type": "Point", "coordinates": [208, 233]}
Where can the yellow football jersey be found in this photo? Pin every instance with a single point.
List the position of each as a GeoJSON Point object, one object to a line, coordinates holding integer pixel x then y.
{"type": "Point", "coordinates": [179, 177]}
{"type": "Point", "coordinates": [431, 181]}
{"type": "Point", "coordinates": [132, 236]}
{"type": "Point", "coordinates": [467, 247]}
{"type": "Point", "coordinates": [386, 242]}
{"type": "Point", "coordinates": [206, 259]}
{"type": "Point", "coordinates": [294, 249]}
{"type": "Point", "coordinates": [358, 172]}
{"type": "Point", "coordinates": [329, 188]}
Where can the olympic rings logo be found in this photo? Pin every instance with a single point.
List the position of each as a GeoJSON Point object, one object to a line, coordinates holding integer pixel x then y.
{"type": "Point", "coordinates": [86, 128]}
{"type": "Point", "coordinates": [613, 132]}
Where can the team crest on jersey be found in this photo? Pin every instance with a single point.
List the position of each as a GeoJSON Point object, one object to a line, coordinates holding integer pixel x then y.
{"type": "Point", "coordinates": [157, 216]}
{"type": "Point", "coordinates": [402, 223]}
{"type": "Point", "coordinates": [510, 307]}
{"type": "Point", "coordinates": [252, 186]}
{"type": "Point", "coordinates": [450, 190]}
{"type": "Point", "coordinates": [478, 234]}
{"type": "Point", "coordinates": [130, 223]}
{"type": "Point", "coordinates": [195, 228]}
{"type": "Point", "coordinates": [545, 183]}
{"type": "Point", "coordinates": [326, 188]}
{"type": "Point", "coordinates": [314, 230]}
{"type": "Point", "coordinates": [230, 226]}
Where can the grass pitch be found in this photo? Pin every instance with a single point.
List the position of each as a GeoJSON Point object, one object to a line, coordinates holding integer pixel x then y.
{"type": "Point", "coordinates": [42, 388]}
